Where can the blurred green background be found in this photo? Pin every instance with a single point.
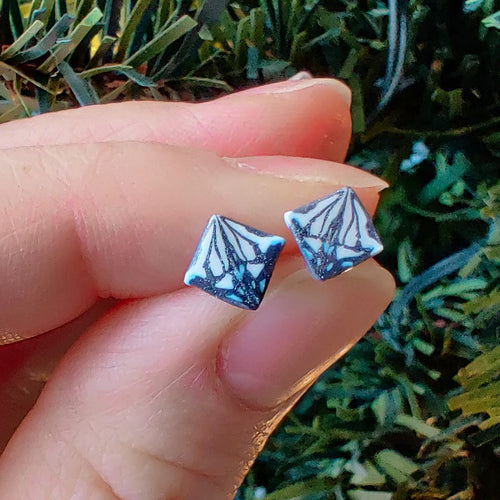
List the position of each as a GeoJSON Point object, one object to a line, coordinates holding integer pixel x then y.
{"type": "Point", "coordinates": [413, 410]}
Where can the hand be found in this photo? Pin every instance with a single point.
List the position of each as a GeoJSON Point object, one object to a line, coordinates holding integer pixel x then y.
{"type": "Point", "coordinates": [162, 391]}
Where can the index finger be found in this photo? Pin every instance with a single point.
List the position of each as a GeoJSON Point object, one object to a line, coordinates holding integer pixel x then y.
{"type": "Point", "coordinates": [78, 222]}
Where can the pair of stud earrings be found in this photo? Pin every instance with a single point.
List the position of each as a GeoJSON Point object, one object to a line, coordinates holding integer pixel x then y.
{"type": "Point", "coordinates": [234, 262]}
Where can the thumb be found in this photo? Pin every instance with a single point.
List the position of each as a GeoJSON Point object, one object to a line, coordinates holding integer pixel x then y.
{"type": "Point", "coordinates": [173, 397]}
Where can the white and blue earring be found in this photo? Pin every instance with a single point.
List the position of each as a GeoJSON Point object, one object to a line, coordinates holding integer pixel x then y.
{"type": "Point", "coordinates": [334, 233]}
{"type": "Point", "coordinates": [234, 262]}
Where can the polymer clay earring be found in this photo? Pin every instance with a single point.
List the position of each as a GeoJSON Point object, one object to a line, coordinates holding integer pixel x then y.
{"type": "Point", "coordinates": [334, 233]}
{"type": "Point", "coordinates": [234, 262]}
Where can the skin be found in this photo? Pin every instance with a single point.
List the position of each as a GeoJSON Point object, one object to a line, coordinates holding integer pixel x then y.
{"type": "Point", "coordinates": [116, 380]}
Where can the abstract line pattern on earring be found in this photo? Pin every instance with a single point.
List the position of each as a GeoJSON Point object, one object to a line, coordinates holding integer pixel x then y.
{"type": "Point", "coordinates": [234, 262]}
{"type": "Point", "coordinates": [334, 233]}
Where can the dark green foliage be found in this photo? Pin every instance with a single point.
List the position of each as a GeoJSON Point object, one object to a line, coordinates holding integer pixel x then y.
{"type": "Point", "coordinates": [390, 420]}
{"type": "Point", "coordinates": [413, 410]}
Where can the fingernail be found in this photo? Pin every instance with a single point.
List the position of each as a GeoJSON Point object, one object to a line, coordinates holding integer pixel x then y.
{"type": "Point", "coordinates": [310, 170]}
{"type": "Point", "coordinates": [301, 75]}
{"type": "Point", "coordinates": [295, 83]}
{"type": "Point", "coordinates": [301, 328]}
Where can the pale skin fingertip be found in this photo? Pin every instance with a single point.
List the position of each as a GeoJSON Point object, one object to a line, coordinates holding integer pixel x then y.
{"type": "Point", "coordinates": [120, 203]}
{"type": "Point", "coordinates": [301, 329]}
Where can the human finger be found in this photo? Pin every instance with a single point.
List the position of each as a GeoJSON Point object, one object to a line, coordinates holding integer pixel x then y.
{"type": "Point", "coordinates": [121, 220]}
{"type": "Point", "coordinates": [307, 118]}
{"type": "Point", "coordinates": [172, 397]}
{"type": "Point", "coordinates": [26, 366]}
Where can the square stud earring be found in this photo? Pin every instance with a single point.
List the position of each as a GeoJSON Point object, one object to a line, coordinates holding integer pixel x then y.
{"type": "Point", "coordinates": [334, 233]}
{"type": "Point", "coordinates": [234, 262]}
